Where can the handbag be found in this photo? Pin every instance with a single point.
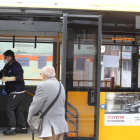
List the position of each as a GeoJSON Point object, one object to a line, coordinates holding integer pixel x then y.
{"type": "Point", "coordinates": [36, 120]}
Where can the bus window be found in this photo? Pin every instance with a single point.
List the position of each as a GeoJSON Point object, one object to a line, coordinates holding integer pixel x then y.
{"type": "Point", "coordinates": [122, 77]}
{"type": "Point", "coordinates": [29, 57]}
{"type": "Point", "coordinates": [83, 65]}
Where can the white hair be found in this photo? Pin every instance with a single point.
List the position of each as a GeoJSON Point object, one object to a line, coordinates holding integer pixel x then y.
{"type": "Point", "coordinates": [48, 71]}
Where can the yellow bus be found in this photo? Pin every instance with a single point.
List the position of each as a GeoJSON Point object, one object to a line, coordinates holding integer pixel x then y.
{"type": "Point", "coordinates": [94, 47]}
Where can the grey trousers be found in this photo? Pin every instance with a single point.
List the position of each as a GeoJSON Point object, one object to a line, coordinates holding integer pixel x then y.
{"type": "Point", "coordinates": [14, 109]}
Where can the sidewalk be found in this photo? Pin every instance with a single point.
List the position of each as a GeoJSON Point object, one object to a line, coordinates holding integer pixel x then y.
{"type": "Point", "coordinates": [18, 137]}
{"type": "Point", "coordinates": [27, 136]}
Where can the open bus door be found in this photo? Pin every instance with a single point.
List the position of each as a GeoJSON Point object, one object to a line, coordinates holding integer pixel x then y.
{"type": "Point", "coordinates": [83, 36]}
{"type": "Point", "coordinates": [35, 44]}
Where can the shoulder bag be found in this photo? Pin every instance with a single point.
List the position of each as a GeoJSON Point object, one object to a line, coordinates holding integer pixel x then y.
{"type": "Point", "coordinates": [36, 120]}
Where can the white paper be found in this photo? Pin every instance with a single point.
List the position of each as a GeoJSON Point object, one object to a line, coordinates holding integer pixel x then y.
{"type": "Point", "coordinates": [80, 63]}
{"type": "Point", "coordinates": [110, 61]}
{"type": "Point", "coordinates": [42, 62]}
{"type": "Point", "coordinates": [24, 61]}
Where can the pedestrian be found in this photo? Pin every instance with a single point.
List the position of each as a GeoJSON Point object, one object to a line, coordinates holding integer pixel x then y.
{"type": "Point", "coordinates": [12, 76]}
{"type": "Point", "coordinates": [54, 124]}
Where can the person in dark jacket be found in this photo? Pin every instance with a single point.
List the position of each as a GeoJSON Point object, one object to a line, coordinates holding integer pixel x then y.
{"type": "Point", "coordinates": [12, 76]}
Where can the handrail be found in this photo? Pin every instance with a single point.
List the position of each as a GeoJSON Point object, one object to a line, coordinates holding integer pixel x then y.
{"type": "Point", "coordinates": [83, 81]}
{"type": "Point", "coordinates": [71, 121]}
{"type": "Point", "coordinates": [106, 81]}
{"type": "Point", "coordinates": [36, 79]}
{"type": "Point", "coordinates": [76, 124]}
{"type": "Point", "coordinates": [28, 93]}
{"type": "Point", "coordinates": [71, 114]}
{"type": "Point", "coordinates": [33, 36]}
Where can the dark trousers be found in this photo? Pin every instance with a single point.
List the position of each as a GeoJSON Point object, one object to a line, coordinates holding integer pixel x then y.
{"type": "Point", "coordinates": [13, 109]}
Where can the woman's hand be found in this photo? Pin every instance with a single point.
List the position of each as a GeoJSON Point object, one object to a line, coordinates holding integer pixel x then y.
{"type": "Point", "coordinates": [6, 79]}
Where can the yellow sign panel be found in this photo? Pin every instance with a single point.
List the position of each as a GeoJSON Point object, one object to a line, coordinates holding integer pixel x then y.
{"type": "Point", "coordinates": [109, 5]}
{"type": "Point", "coordinates": [122, 38]}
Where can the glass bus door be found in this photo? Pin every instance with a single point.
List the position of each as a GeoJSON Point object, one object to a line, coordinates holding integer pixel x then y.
{"type": "Point", "coordinates": [83, 76]}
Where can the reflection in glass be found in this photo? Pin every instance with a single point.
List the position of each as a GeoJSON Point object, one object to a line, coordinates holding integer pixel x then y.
{"type": "Point", "coordinates": [116, 71]}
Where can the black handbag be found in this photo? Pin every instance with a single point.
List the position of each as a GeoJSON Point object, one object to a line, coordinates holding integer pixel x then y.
{"type": "Point", "coordinates": [36, 120]}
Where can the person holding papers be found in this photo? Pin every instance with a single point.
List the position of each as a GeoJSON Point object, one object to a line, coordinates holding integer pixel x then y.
{"type": "Point", "coordinates": [12, 76]}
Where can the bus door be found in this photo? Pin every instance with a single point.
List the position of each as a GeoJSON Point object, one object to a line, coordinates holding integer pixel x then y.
{"type": "Point", "coordinates": [82, 75]}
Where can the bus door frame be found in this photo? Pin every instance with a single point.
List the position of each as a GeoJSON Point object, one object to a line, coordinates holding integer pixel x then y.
{"type": "Point", "coordinates": [64, 53]}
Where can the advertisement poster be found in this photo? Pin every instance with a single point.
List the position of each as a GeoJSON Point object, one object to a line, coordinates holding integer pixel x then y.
{"type": "Point", "coordinates": [122, 109]}
{"type": "Point", "coordinates": [107, 72]}
{"type": "Point", "coordinates": [24, 61]}
{"type": "Point", "coordinates": [80, 63]}
{"type": "Point", "coordinates": [42, 61]}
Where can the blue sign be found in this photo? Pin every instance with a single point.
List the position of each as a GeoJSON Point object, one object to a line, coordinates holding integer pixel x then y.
{"type": "Point", "coordinates": [42, 62]}
{"type": "Point", "coordinates": [102, 106]}
{"type": "Point", "coordinates": [23, 61]}
{"type": "Point", "coordinates": [3, 92]}
{"type": "Point", "coordinates": [80, 63]}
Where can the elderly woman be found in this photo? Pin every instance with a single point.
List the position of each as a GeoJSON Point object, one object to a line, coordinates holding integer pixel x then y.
{"type": "Point", "coordinates": [54, 123]}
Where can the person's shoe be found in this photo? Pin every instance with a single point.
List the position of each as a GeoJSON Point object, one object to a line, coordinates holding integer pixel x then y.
{"type": "Point", "coordinates": [10, 131]}
{"type": "Point", "coordinates": [22, 130]}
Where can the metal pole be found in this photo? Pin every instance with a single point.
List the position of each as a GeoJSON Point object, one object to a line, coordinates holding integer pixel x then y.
{"type": "Point", "coordinates": [57, 63]}
{"type": "Point", "coordinates": [99, 74]}
{"type": "Point", "coordinates": [87, 16]}
{"type": "Point", "coordinates": [35, 41]}
{"type": "Point", "coordinates": [121, 66]}
{"type": "Point", "coordinates": [64, 50]}
{"type": "Point", "coordinates": [94, 60]}
{"type": "Point", "coordinates": [32, 136]}
{"type": "Point", "coordinates": [13, 41]}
